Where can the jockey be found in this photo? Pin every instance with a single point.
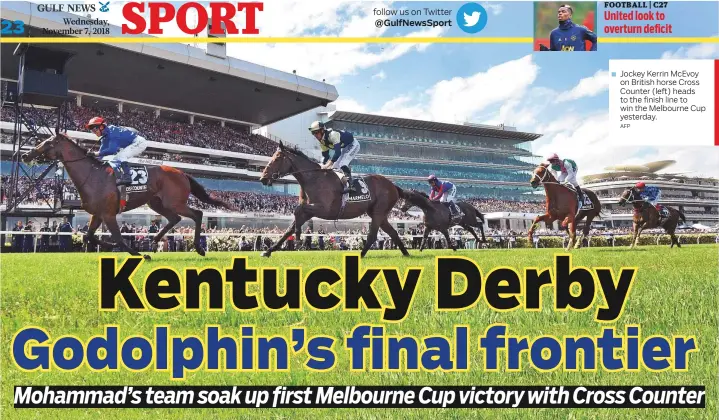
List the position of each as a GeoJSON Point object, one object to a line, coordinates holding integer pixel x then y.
{"type": "Point", "coordinates": [651, 195]}
{"type": "Point", "coordinates": [337, 141]}
{"type": "Point", "coordinates": [565, 171]}
{"type": "Point", "coordinates": [443, 192]}
{"type": "Point", "coordinates": [117, 145]}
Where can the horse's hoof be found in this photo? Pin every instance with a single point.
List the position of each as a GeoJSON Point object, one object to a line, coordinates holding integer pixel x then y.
{"type": "Point", "coordinates": [265, 254]}
{"type": "Point", "coordinates": [147, 257]}
{"type": "Point", "coordinates": [201, 252]}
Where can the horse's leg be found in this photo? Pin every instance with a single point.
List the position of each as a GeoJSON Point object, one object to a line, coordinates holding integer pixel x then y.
{"type": "Point", "coordinates": [469, 229]}
{"type": "Point", "coordinates": [282, 240]}
{"type": "Point", "coordinates": [572, 229]}
{"type": "Point", "coordinates": [671, 230]}
{"type": "Point", "coordinates": [638, 233]}
{"type": "Point", "coordinates": [635, 226]}
{"type": "Point", "coordinates": [92, 240]}
{"type": "Point", "coordinates": [172, 218]}
{"type": "Point", "coordinates": [424, 239]}
{"type": "Point", "coordinates": [546, 218]}
{"type": "Point", "coordinates": [585, 230]}
{"type": "Point", "coordinates": [371, 236]}
{"type": "Point", "coordinates": [450, 244]}
{"type": "Point", "coordinates": [195, 215]}
{"type": "Point", "coordinates": [387, 227]}
{"type": "Point", "coordinates": [111, 223]}
{"type": "Point", "coordinates": [300, 219]}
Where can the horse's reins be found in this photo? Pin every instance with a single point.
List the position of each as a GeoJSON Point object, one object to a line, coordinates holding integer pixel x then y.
{"type": "Point", "coordinates": [276, 175]}
{"type": "Point", "coordinates": [631, 199]}
{"type": "Point", "coordinates": [541, 179]}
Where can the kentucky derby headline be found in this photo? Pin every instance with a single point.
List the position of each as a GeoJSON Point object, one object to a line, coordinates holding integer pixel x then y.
{"type": "Point", "coordinates": [460, 284]}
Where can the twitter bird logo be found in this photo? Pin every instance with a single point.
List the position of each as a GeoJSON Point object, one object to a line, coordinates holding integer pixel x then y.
{"type": "Point", "coordinates": [471, 18]}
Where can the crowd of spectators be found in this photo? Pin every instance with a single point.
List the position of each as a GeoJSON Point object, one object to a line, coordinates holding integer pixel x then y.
{"type": "Point", "coordinates": [258, 239]}
{"type": "Point", "coordinates": [412, 169]}
{"type": "Point", "coordinates": [203, 133]}
{"type": "Point", "coordinates": [669, 194]}
{"type": "Point", "coordinates": [283, 204]}
{"type": "Point", "coordinates": [682, 180]}
{"type": "Point", "coordinates": [435, 153]}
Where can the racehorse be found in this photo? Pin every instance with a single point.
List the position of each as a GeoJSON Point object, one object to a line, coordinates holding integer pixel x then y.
{"type": "Point", "coordinates": [438, 217]}
{"type": "Point", "coordinates": [321, 197]}
{"type": "Point", "coordinates": [646, 216]}
{"type": "Point", "coordinates": [561, 204]}
{"type": "Point", "coordinates": [167, 191]}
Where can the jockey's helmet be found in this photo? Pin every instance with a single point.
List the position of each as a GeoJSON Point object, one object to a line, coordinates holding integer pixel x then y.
{"type": "Point", "coordinates": [316, 126]}
{"type": "Point", "coordinates": [552, 157]}
{"type": "Point", "coordinates": [640, 185]}
{"type": "Point", "coordinates": [95, 122]}
{"type": "Point", "coordinates": [432, 178]}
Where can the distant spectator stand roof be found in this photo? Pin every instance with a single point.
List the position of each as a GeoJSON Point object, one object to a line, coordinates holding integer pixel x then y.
{"type": "Point", "coordinates": [472, 130]}
{"type": "Point", "coordinates": [175, 76]}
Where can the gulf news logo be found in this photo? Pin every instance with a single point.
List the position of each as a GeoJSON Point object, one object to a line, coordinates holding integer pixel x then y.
{"type": "Point", "coordinates": [191, 18]}
{"type": "Point", "coordinates": [471, 18]}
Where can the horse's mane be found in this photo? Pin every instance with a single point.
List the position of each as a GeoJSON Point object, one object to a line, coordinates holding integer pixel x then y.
{"type": "Point", "coordinates": [422, 193]}
{"type": "Point", "coordinates": [73, 143]}
{"type": "Point", "coordinates": [296, 151]}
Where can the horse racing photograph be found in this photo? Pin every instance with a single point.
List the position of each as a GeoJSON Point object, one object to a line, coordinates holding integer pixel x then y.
{"type": "Point", "coordinates": [354, 209]}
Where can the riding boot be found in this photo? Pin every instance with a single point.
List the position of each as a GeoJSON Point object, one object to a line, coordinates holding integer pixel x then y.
{"type": "Point", "coordinates": [348, 175]}
{"type": "Point", "coordinates": [454, 209]}
{"type": "Point", "coordinates": [126, 174]}
{"type": "Point", "coordinates": [581, 195]}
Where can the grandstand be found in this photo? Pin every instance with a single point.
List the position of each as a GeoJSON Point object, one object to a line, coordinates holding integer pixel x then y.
{"type": "Point", "coordinates": [197, 107]}
{"type": "Point", "coordinates": [201, 112]}
{"type": "Point", "coordinates": [492, 162]}
{"type": "Point", "coordinates": [696, 197]}
{"type": "Point", "coordinates": [485, 161]}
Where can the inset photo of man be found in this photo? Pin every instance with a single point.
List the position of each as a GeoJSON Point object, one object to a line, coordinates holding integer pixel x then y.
{"type": "Point", "coordinates": [557, 26]}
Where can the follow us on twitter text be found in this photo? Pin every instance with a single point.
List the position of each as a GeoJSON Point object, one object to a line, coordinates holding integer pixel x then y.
{"type": "Point", "coordinates": [425, 11]}
{"type": "Point", "coordinates": [470, 18]}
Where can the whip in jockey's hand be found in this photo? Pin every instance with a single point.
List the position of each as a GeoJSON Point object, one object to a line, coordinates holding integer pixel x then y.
{"type": "Point", "coordinates": [343, 144]}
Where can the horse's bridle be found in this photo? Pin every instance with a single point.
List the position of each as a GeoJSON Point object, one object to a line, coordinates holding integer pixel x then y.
{"type": "Point", "coordinates": [631, 199]}
{"type": "Point", "coordinates": [277, 175]}
{"type": "Point", "coordinates": [544, 175]}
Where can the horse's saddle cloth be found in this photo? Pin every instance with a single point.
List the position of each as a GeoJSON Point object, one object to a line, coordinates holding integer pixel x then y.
{"type": "Point", "coordinates": [361, 190]}
{"type": "Point", "coordinates": [139, 176]}
{"type": "Point", "coordinates": [663, 213]}
{"type": "Point", "coordinates": [584, 202]}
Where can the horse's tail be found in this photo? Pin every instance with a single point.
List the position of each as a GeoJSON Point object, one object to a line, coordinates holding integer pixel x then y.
{"type": "Point", "coordinates": [400, 191]}
{"type": "Point", "coordinates": [682, 216]}
{"type": "Point", "coordinates": [199, 191]}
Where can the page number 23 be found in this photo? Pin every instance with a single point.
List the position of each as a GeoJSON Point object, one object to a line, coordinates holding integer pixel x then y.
{"type": "Point", "coordinates": [10, 27]}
